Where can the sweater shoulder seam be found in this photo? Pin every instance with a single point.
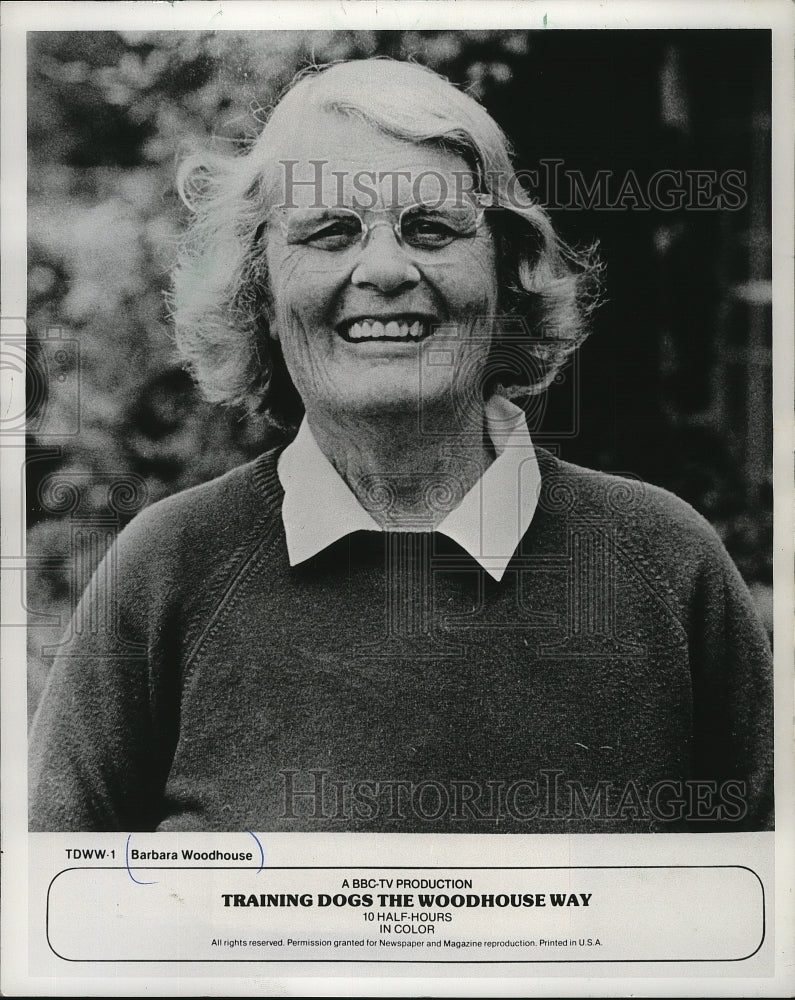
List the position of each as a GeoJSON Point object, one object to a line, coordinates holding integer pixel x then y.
{"type": "Point", "coordinates": [248, 565]}
{"type": "Point", "coordinates": [245, 559]}
{"type": "Point", "coordinates": [625, 496]}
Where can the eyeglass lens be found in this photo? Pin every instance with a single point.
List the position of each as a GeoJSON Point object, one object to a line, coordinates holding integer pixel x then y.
{"type": "Point", "coordinates": [421, 227]}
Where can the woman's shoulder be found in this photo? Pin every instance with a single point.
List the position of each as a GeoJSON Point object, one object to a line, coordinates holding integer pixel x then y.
{"type": "Point", "coordinates": [655, 537]}
{"type": "Point", "coordinates": [206, 522]}
{"type": "Point", "coordinates": [651, 515]}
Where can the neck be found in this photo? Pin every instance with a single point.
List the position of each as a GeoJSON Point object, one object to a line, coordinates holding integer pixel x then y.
{"type": "Point", "coordinates": [404, 477]}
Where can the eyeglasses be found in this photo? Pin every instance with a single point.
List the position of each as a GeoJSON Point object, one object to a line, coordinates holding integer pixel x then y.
{"type": "Point", "coordinates": [418, 227]}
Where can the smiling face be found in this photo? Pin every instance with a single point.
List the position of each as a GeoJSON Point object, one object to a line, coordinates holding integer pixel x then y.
{"type": "Point", "coordinates": [380, 325]}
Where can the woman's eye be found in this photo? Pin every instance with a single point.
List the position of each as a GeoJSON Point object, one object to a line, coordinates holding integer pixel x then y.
{"type": "Point", "coordinates": [337, 235]}
{"type": "Point", "coordinates": [434, 229]}
{"type": "Point", "coordinates": [428, 232]}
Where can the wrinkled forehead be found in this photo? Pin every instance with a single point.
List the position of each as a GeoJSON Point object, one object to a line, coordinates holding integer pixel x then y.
{"type": "Point", "coordinates": [328, 159]}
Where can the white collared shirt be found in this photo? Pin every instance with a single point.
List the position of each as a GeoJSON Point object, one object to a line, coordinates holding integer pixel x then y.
{"type": "Point", "coordinates": [319, 508]}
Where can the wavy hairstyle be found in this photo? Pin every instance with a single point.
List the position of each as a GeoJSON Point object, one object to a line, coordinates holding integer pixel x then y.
{"type": "Point", "coordinates": [219, 299]}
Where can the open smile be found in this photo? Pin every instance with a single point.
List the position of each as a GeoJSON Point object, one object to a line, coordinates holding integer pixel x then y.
{"type": "Point", "coordinates": [403, 328]}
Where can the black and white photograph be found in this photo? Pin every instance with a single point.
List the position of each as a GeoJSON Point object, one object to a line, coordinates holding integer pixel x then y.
{"type": "Point", "coordinates": [406, 614]}
{"type": "Point", "coordinates": [397, 458]}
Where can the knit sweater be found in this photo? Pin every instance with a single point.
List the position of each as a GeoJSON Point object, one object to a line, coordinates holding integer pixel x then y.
{"type": "Point", "coordinates": [615, 679]}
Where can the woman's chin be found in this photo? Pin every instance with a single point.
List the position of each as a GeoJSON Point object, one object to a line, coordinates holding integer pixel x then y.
{"type": "Point", "coordinates": [384, 393]}
{"type": "Point", "coordinates": [385, 405]}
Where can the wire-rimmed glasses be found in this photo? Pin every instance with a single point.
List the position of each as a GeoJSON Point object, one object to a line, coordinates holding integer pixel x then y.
{"type": "Point", "coordinates": [419, 227]}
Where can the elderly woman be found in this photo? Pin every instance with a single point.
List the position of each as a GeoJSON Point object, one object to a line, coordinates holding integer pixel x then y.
{"type": "Point", "coordinates": [408, 619]}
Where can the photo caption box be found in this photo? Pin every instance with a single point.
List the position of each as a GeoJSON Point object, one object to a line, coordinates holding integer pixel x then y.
{"type": "Point", "coordinates": [144, 912]}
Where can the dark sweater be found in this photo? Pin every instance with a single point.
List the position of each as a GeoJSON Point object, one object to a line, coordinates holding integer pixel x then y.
{"type": "Point", "coordinates": [615, 679]}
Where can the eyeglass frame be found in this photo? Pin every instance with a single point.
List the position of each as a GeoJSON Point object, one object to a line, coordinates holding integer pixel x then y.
{"type": "Point", "coordinates": [483, 201]}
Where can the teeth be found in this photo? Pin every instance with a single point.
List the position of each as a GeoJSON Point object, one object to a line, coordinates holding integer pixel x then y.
{"type": "Point", "coordinates": [374, 329]}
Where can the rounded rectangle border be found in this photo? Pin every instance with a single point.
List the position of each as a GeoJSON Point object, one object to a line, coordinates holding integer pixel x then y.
{"type": "Point", "coordinates": [715, 912]}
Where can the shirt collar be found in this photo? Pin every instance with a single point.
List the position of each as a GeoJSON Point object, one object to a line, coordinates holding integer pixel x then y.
{"type": "Point", "coordinates": [319, 508]}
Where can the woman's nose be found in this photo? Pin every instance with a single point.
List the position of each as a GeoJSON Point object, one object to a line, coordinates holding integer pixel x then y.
{"type": "Point", "coordinates": [383, 263]}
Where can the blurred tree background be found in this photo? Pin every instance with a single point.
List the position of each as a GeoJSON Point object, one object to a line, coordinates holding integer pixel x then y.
{"type": "Point", "coordinates": [674, 385]}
